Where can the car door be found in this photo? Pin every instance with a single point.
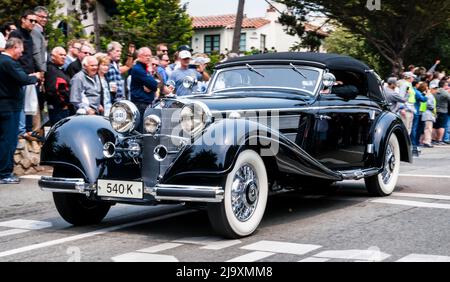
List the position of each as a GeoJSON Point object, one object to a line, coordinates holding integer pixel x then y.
{"type": "Point", "coordinates": [342, 129]}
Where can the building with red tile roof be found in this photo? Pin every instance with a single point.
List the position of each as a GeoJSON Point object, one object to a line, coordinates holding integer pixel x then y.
{"type": "Point", "coordinates": [215, 33]}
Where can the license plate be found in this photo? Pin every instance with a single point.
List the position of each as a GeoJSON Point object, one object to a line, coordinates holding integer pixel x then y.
{"type": "Point", "coordinates": [120, 189]}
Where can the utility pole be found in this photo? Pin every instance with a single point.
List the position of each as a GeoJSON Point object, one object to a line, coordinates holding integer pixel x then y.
{"type": "Point", "coordinates": [238, 26]}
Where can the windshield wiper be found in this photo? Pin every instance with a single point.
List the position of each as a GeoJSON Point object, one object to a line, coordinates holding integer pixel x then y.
{"type": "Point", "coordinates": [250, 68]}
{"type": "Point", "coordinates": [297, 70]}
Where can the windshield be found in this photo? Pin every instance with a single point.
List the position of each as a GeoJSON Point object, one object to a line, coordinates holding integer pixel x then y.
{"type": "Point", "coordinates": [295, 78]}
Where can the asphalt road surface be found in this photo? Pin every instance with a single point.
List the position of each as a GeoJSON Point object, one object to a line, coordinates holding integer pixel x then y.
{"type": "Point", "coordinates": [411, 225]}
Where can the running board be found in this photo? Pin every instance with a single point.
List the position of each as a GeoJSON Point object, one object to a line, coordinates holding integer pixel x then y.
{"type": "Point", "coordinates": [359, 173]}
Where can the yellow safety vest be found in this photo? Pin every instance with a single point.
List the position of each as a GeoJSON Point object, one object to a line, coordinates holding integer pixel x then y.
{"type": "Point", "coordinates": [423, 107]}
{"type": "Point", "coordinates": [412, 94]}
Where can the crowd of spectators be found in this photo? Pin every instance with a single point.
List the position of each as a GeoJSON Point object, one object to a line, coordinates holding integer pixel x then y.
{"type": "Point", "coordinates": [421, 98]}
{"type": "Point", "coordinates": [41, 87]}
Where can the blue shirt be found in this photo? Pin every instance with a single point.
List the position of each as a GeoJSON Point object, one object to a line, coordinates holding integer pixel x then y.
{"type": "Point", "coordinates": [419, 99]}
{"type": "Point", "coordinates": [113, 75]}
{"type": "Point", "coordinates": [163, 74]}
{"type": "Point", "coordinates": [179, 75]}
{"type": "Point", "coordinates": [140, 78]}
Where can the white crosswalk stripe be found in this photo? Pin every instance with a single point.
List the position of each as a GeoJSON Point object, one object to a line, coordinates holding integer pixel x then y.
{"type": "Point", "coordinates": [251, 257]}
{"type": "Point", "coordinates": [281, 247]}
{"type": "Point", "coordinates": [12, 232]}
{"type": "Point", "coordinates": [422, 196]}
{"type": "Point", "coordinates": [424, 258]}
{"type": "Point", "coordinates": [360, 255]}
{"type": "Point", "coordinates": [26, 224]}
{"type": "Point", "coordinates": [209, 242]}
{"type": "Point", "coordinates": [143, 257]}
{"type": "Point", "coordinates": [159, 248]}
{"type": "Point", "coordinates": [412, 203]}
{"type": "Point", "coordinates": [314, 259]}
{"type": "Point", "coordinates": [20, 226]}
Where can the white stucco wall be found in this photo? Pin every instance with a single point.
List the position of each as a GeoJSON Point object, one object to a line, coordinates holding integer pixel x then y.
{"type": "Point", "coordinates": [88, 23]}
{"type": "Point", "coordinates": [275, 36]}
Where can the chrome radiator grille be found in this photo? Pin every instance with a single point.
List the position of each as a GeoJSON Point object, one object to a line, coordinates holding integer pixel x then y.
{"type": "Point", "coordinates": [151, 168]}
{"type": "Point", "coordinates": [169, 126]}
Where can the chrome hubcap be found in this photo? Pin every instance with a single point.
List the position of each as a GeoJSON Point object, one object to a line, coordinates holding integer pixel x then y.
{"type": "Point", "coordinates": [389, 165]}
{"type": "Point", "coordinates": [244, 192]}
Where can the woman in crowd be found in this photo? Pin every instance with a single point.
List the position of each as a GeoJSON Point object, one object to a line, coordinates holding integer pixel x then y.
{"type": "Point", "coordinates": [105, 91]}
{"type": "Point", "coordinates": [428, 116]}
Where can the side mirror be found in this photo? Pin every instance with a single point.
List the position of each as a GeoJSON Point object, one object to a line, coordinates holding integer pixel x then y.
{"type": "Point", "coordinates": [328, 79]}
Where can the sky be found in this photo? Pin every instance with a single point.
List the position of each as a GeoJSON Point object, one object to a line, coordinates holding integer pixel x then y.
{"type": "Point", "coordinates": [252, 8]}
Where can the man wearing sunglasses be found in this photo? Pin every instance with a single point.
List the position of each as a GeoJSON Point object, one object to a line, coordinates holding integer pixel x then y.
{"type": "Point", "coordinates": [39, 45]}
{"type": "Point", "coordinates": [76, 66]}
{"type": "Point", "coordinates": [27, 23]}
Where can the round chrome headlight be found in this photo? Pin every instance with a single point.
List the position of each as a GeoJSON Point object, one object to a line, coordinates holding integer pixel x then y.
{"type": "Point", "coordinates": [194, 117]}
{"type": "Point", "coordinates": [152, 123]}
{"type": "Point", "coordinates": [189, 82]}
{"type": "Point", "coordinates": [124, 116]}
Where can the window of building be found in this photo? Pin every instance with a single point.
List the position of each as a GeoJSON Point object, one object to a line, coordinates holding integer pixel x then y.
{"type": "Point", "coordinates": [243, 42]}
{"type": "Point", "coordinates": [263, 42]}
{"type": "Point", "coordinates": [212, 43]}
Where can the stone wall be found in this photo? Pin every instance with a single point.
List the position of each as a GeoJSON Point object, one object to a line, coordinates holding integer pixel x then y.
{"type": "Point", "coordinates": [27, 157]}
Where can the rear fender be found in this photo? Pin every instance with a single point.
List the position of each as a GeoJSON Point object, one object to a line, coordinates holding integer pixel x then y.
{"type": "Point", "coordinates": [387, 124]}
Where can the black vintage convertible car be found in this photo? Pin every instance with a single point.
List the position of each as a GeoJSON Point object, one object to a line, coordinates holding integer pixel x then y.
{"type": "Point", "coordinates": [265, 123]}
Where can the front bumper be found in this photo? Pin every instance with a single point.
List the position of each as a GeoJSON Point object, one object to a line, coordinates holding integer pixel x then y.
{"type": "Point", "coordinates": [166, 192]}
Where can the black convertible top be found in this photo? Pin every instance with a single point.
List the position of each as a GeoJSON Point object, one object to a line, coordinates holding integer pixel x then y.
{"type": "Point", "coordinates": [321, 60]}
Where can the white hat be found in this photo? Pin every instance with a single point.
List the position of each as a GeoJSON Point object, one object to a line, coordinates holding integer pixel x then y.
{"type": "Point", "coordinates": [434, 84]}
{"type": "Point", "coordinates": [409, 74]}
{"type": "Point", "coordinates": [185, 54]}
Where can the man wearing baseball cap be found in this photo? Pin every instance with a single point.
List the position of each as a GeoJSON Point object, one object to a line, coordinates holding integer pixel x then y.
{"type": "Point", "coordinates": [392, 94]}
{"type": "Point", "coordinates": [407, 92]}
{"type": "Point", "coordinates": [184, 71]}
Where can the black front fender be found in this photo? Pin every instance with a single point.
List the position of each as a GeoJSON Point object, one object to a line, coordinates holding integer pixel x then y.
{"type": "Point", "coordinates": [212, 156]}
{"type": "Point", "coordinates": [78, 142]}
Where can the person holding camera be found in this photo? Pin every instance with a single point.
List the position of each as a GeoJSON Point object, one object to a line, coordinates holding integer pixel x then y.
{"type": "Point", "coordinates": [186, 69]}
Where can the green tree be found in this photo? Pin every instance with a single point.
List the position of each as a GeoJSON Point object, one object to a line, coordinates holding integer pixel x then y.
{"type": "Point", "coordinates": [11, 10]}
{"type": "Point", "coordinates": [391, 28]}
{"type": "Point", "coordinates": [432, 46]}
{"type": "Point", "coordinates": [341, 41]}
{"type": "Point", "coordinates": [294, 20]}
{"type": "Point", "coordinates": [147, 23]}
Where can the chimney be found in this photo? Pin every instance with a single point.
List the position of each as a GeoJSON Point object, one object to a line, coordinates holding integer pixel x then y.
{"type": "Point", "coordinates": [271, 9]}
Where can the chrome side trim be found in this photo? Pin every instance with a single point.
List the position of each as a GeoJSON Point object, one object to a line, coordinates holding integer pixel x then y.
{"type": "Point", "coordinates": [298, 109]}
{"type": "Point", "coordinates": [139, 136]}
{"type": "Point", "coordinates": [186, 193]}
{"type": "Point", "coordinates": [359, 173]}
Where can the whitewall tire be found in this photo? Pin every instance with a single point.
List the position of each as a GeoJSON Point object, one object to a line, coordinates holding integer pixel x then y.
{"type": "Point", "coordinates": [383, 184]}
{"type": "Point", "coordinates": [245, 198]}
